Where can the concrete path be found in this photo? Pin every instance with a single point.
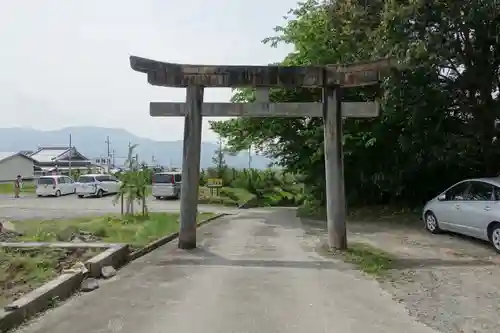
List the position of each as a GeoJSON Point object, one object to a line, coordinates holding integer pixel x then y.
{"type": "Point", "coordinates": [253, 272]}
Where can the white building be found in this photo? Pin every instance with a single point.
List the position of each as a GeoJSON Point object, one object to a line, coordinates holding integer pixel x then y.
{"type": "Point", "coordinates": [14, 164]}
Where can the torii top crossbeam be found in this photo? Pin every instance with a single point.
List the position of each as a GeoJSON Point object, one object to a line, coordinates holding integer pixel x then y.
{"type": "Point", "coordinates": [183, 75]}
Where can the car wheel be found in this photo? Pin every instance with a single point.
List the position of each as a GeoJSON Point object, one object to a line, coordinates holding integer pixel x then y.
{"type": "Point", "coordinates": [157, 198]}
{"type": "Point", "coordinates": [100, 194]}
{"type": "Point", "coordinates": [495, 237]}
{"type": "Point", "coordinates": [38, 195]}
{"type": "Point", "coordinates": [58, 193]}
{"type": "Point", "coordinates": [80, 196]}
{"type": "Point", "coordinates": [431, 223]}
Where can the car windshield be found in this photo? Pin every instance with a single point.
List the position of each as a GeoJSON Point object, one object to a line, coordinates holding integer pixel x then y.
{"type": "Point", "coordinates": [86, 179]}
{"type": "Point", "coordinates": [162, 178]}
{"type": "Point", "coordinates": [46, 181]}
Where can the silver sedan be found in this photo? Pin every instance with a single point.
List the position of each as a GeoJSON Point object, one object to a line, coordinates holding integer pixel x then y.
{"type": "Point", "coordinates": [470, 207]}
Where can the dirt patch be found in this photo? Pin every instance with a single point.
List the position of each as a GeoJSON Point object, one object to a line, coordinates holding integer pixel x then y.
{"type": "Point", "coordinates": [447, 281]}
{"type": "Point", "coordinates": [24, 269]}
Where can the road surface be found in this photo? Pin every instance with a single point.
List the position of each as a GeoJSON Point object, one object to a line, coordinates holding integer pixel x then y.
{"type": "Point", "coordinates": [31, 207]}
{"type": "Point", "coordinates": [253, 272]}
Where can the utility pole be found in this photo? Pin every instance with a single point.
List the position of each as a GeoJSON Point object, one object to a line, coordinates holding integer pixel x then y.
{"type": "Point", "coordinates": [108, 156]}
{"type": "Point", "coordinates": [70, 155]}
{"type": "Point", "coordinates": [249, 157]}
{"type": "Point", "coordinates": [114, 165]}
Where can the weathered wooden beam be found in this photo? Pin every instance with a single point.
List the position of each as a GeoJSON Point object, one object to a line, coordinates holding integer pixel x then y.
{"type": "Point", "coordinates": [182, 75]}
{"type": "Point", "coordinates": [358, 74]}
{"type": "Point", "coordinates": [349, 109]}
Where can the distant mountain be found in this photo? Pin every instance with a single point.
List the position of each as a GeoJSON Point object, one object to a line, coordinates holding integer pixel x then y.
{"type": "Point", "coordinates": [90, 141]}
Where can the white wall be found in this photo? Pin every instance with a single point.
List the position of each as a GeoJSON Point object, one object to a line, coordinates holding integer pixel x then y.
{"type": "Point", "coordinates": [16, 165]}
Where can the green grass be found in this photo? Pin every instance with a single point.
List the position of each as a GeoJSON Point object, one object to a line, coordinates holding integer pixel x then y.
{"type": "Point", "coordinates": [22, 270]}
{"type": "Point", "coordinates": [368, 259]}
{"type": "Point", "coordinates": [135, 230]}
{"type": "Point", "coordinates": [8, 188]}
{"type": "Point", "coordinates": [239, 195]}
{"type": "Point", "coordinates": [205, 197]}
{"type": "Point", "coordinates": [232, 196]}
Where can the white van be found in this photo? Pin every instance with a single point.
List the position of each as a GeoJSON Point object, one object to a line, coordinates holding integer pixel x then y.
{"type": "Point", "coordinates": [56, 186]}
{"type": "Point", "coordinates": [167, 185]}
{"type": "Point", "coordinates": [97, 185]}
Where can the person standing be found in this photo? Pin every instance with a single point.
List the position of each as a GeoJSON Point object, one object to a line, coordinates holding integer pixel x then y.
{"type": "Point", "coordinates": [17, 186]}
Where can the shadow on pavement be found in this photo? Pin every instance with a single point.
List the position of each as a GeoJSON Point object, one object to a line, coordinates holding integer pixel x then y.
{"type": "Point", "coordinates": [202, 257]}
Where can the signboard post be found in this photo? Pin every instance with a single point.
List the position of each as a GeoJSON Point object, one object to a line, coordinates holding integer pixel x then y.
{"type": "Point", "coordinates": [331, 79]}
{"type": "Point", "coordinates": [214, 184]}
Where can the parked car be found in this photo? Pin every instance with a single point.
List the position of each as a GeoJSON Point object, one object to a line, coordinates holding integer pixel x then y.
{"type": "Point", "coordinates": [97, 185]}
{"type": "Point", "coordinates": [56, 185]}
{"type": "Point", "coordinates": [167, 185]}
{"type": "Point", "coordinates": [470, 207]}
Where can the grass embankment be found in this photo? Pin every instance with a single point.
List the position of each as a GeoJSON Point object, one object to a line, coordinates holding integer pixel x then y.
{"type": "Point", "coordinates": [22, 270]}
{"type": "Point", "coordinates": [136, 230]}
{"type": "Point", "coordinates": [233, 196]}
{"type": "Point", "coordinates": [228, 196]}
{"type": "Point", "coordinates": [8, 188]}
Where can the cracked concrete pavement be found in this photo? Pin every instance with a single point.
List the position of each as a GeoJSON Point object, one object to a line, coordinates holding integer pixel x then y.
{"type": "Point", "coordinates": [255, 271]}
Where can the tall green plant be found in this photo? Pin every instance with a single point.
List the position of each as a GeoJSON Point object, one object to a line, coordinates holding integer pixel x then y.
{"type": "Point", "coordinates": [134, 185]}
{"type": "Point", "coordinates": [219, 160]}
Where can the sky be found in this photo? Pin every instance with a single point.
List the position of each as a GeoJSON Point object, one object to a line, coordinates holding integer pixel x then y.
{"type": "Point", "coordinates": [66, 63]}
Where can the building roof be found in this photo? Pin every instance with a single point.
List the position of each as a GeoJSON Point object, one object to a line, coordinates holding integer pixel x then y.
{"type": "Point", "coordinates": [6, 155]}
{"type": "Point", "coordinates": [26, 152]}
{"type": "Point", "coordinates": [48, 154]}
{"type": "Point", "coordinates": [52, 154]}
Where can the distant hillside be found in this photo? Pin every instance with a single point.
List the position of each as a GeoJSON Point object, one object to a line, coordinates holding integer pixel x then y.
{"type": "Point", "coordinates": [90, 141]}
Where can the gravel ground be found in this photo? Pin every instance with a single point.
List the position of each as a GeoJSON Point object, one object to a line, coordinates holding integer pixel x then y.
{"type": "Point", "coordinates": [448, 282]}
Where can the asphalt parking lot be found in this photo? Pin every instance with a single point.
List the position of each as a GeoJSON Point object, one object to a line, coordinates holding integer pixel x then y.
{"type": "Point", "coordinates": [32, 207]}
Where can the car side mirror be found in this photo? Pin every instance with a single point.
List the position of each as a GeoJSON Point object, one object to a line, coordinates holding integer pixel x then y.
{"type": "Point", "coordinates": [441, 197]}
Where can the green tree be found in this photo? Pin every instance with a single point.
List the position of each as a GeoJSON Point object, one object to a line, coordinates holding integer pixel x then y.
{"type": "Point", "coordinates": [437, 116]}
{"type": "Point", "coordinates": [297, 143]}
{"type": "Point", "coordinates": [219, 159]}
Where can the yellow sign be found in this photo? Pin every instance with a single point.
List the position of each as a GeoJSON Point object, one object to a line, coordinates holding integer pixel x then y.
{"type": "Point", "coordinates": [214, 182]}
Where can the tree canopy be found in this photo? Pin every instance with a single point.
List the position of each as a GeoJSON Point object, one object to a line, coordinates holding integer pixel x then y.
{"type": "Point", "coordinates": [438, 113]}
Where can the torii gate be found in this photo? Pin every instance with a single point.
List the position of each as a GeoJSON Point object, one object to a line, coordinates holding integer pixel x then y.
{"type": "Point", "coordinates": [330, 78]}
